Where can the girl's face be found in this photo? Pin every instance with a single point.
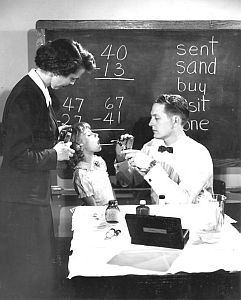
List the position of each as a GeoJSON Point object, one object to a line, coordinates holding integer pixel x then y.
{"type": "Point", "coordinates": [90, 141]}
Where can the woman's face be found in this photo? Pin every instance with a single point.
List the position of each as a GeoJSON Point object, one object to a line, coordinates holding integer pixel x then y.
{"type": "Point", "coordinates": [59, 81]}
{"type": "Point", "coordinates": [90, 141]}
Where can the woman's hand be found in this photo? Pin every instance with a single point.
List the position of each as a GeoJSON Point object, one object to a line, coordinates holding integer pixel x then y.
{"type": "Point", "coordinates": [63, 127]}
{"type": "Point", "coordinates": [64, 152]}
{"type": "Point", "coordinates": [65, 133]}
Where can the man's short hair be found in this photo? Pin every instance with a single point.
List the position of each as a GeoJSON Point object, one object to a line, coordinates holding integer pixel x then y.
{"type": "Point", "coordinates": [175, 105]}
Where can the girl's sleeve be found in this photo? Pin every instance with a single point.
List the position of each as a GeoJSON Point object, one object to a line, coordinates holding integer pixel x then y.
{"type": "Point", "coordinates": [83, 184]}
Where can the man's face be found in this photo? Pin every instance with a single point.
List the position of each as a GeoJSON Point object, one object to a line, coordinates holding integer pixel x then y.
{"type": "Point", "coordinates": [161, 123]}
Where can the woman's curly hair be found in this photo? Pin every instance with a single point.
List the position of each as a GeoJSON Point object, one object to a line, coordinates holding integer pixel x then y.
{"type": "Point", "coordinates": [64, 57]}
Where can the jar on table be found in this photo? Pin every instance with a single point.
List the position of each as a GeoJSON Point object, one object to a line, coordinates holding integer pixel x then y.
{"type": "Point", "coordinates": [142, 209]}
{"type": "Point", "coordinates": [112, 212]}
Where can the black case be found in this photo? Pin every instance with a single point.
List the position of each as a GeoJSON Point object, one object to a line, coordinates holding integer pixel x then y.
{"type": "Point", "coordinates": [157, 231]}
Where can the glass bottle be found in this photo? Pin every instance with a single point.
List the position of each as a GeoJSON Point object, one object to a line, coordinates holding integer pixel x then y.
{"type": "Point", "coordinates": [142, 209]}
{"type": "Point", "coordinates": [112, 212]}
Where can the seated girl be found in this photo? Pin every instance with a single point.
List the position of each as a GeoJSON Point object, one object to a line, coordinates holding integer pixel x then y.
{"type": "Point", "coordinates": [90, 177]}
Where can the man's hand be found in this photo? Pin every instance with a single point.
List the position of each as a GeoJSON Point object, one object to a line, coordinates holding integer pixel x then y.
{"type": "Point", "coordinates": [138, 160]}
{"type": "Point", "coordinates": [124, 142]}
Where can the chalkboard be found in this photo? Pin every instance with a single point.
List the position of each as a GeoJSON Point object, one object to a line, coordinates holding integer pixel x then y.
{"type": "Point", "coordinates": [138, 60]}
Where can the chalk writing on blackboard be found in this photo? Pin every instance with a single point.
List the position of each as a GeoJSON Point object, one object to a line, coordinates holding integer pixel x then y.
{"type": "Point", "coordinates": [118, 73]}
{"type": "Point", "coordinates": [76, 104]}
{"type": "Point", "coordinates": [70, 104]}
{"type": "Point", "coordinates": [112, 68]}
{"type": "Point", "coordinates": [196, 60]}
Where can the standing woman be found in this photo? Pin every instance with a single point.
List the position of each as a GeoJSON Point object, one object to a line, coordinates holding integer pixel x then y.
{"type": "Point", "coordinates": [30, 151]}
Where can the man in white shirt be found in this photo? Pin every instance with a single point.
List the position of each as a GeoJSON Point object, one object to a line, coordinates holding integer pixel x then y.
{"type": "Point", "coordinates": [172, 163]}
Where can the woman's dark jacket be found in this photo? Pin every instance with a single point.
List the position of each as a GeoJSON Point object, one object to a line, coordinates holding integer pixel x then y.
{"type": "Point", "coordinates": [29, 133]}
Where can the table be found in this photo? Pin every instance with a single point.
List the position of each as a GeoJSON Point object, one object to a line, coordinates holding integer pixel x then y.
{"type": "Point", "coordinates": [111, 265]}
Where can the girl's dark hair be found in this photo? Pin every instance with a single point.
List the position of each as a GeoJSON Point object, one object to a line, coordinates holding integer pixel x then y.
{"type": "Point", "coordinates": [77, 129]}
{"type": "Point", "coordinates": [64, 57]}
{"type": "Point", "coordinates": [175, 105]}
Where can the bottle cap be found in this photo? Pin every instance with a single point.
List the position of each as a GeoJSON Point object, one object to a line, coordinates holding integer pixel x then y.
{"type": "Point", "coordinates": [142, 202]}
{"type": "Point", "coordinates": [113, 202]}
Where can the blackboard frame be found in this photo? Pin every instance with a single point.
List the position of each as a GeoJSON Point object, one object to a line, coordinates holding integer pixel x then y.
{"type": "Point", "coordinates": [136, 24]}
{"type": "Point", "coordinates": [43, 26]}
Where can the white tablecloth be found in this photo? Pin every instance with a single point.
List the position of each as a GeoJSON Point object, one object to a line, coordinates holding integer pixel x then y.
{"type": "Point", "coordinates": [93, 255]}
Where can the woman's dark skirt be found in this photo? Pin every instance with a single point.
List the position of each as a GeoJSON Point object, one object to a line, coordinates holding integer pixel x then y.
{"type": "Point", "coordinates": [27, 253]}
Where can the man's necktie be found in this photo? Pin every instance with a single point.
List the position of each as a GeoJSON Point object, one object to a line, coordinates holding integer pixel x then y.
{"type": "Point", "coordinates": [163, 148]}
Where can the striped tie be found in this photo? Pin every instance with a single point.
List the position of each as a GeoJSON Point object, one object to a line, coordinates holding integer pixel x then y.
{"type": "Point", "coordinates": [171, 172]}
